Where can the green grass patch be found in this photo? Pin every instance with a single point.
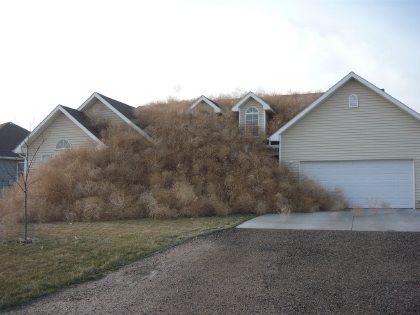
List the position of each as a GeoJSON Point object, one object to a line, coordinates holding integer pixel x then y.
{"type": "Point", "coordinates": [63, 253]}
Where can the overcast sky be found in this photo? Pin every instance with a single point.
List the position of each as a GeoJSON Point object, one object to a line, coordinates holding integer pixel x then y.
{"type": "Point", "coordinates": [60, 52]}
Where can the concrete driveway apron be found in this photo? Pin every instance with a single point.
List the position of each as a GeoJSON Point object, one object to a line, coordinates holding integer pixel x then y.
{"type": "Point", "coordinates": [404, 220]}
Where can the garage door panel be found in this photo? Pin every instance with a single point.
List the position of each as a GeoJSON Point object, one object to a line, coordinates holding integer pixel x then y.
{"type": "Point", "coordinates": [368, 183]}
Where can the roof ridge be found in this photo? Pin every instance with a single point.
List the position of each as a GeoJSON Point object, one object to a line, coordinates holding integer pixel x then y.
{"type": "Point", "coordinates": [12, 124]}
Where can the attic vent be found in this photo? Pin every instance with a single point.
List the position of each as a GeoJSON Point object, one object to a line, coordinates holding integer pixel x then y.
{"type": "Point", "coordinates": [353, 101]}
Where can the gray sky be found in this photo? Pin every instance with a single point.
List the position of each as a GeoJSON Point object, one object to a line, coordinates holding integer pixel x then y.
{"type": "Point", "coordinates": [60, 52]}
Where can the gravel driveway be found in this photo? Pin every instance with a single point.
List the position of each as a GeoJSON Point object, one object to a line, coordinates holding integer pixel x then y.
{"type": "Point", "coordinates": [243, 271]}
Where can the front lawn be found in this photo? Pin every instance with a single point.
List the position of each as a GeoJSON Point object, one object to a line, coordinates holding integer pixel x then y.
{"type": "Point", "coordinates": [63, 253]}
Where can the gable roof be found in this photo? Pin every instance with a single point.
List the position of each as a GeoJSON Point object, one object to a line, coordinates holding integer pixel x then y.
{"type": "Point", "coordinates": [82, 119]}
{"type": "Point", "coordinates": [10, 136]}
{"type": "Point", "coordinates": [256, 98]}
{"type": "Point", "coordinates": [77, 117]}
{"type": "Point", "coordinates": [208, 101]}
{"type": "Point", "coordinates": [124, 111]}
{"type": "Point", "coordinates": [127, 110]}
{"type": "Point", "coordinates": [335, 87]}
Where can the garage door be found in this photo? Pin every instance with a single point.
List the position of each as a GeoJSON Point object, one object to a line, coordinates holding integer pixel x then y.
{"type": "Point", "coordinates": [367, 183]}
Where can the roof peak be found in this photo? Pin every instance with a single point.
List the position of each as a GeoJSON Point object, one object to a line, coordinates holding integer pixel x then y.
{"type": "Point", "coordinates": [250, 94]}
{"type": "Point", "coordinates": [112, 99]}
{"type": "Point", "coordinates": [335, 87]}
{"type": "Point", "coordinates": [208, 101]}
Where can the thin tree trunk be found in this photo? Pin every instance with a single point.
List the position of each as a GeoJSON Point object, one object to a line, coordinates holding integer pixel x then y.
{"type": "Point", "coordinates": [24, 186]}
{"type": "Point", "coordinates": [25, 216]}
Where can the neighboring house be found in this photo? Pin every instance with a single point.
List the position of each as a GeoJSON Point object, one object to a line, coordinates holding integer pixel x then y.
{"type": "Point", "coordinates": [10, 162]}
{"type": "Point", "coordinates": [360, 139]}
{"type": "Point", "coordinates": [66, 127]}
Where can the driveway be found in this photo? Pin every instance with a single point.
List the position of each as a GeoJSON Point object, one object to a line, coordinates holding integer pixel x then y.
{"type": "Point", "coordinates": [403, 220]}
{"type": "Point", "coordinates": [250, 271]}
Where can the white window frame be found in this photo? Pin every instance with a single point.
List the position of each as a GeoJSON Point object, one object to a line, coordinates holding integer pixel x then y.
{"type": "Point", "coordinates": [255, 131]}
{"type": "Point", "coordinates": [353, 101]}
{"type": "Point", "coordinates": [63, 147]}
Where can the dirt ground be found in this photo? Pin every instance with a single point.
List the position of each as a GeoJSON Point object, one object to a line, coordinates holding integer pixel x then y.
{"type": "Point", "coordinates": [243, 271]}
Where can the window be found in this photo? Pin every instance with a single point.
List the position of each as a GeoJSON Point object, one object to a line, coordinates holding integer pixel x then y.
{"type": "Point", "coordinates": [251, 121]}
{"type": "Point", "coordinates": [45, 157]}
{"type": "Point", "coordinates": [353, 101]}
{"type": "Point", "coordinates": [20, 168]}
{"type": "Point", "coordinates": [62, 145]}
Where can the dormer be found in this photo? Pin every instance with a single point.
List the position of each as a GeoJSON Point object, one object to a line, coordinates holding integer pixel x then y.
{"type": "Point", "coordinates": [204, 104]}
{"type": "Point", "coordinates": [253, 114]}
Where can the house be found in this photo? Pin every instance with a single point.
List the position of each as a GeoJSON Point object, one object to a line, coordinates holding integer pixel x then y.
{"type": "Point", "coordinates": [354, 137]}
{"type": "Point", "coordinates": [66, 127]}
{"type": "Point", "coordinates": [360, 139]}
{"type": "Point", "coordinates": [10, 162]}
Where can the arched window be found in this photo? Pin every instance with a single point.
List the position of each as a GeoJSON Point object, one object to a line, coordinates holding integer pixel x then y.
{"type": "Point", "coordinates": [62, 145]}
{"type": "Point", "coordinates": [251, 120]}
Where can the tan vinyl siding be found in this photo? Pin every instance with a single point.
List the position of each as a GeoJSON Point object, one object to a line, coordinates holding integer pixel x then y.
{"type": "Point", "coordinates": [261, 114]}
{"type": "Point", "coordinates": [202, 107]}
{"type": "Point", "coordinates": [61, 128]}
{"type": "Point", "coordinates": [377, 129]}
{"type": "Point", "coordinates": [99, 112]}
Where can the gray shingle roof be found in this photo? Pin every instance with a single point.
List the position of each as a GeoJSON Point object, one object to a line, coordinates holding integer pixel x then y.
{"type": "Point", "coordinates": [10, 136]}
{"type": "Point", "coordinates": [82, 118]}
{"type": "Point", "coordinates": [127, 110]}
{"type": "Point", "coordinates": [215, 103]}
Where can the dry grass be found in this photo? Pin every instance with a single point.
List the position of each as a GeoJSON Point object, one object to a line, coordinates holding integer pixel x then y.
{"type": "Point", "coordinates": [201, 165]}
{"type": "Point", "coordinates": [62, 254]}
{"type": "Point", "coordinates": [285, 107]}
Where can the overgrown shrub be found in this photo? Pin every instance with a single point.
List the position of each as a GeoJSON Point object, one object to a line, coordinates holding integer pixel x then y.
{"type": "Point", "coordinates": [200, 165]}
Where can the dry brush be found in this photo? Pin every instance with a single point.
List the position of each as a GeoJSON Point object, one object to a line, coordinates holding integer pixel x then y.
{"type": "Point", "coordinates": [201, 165]}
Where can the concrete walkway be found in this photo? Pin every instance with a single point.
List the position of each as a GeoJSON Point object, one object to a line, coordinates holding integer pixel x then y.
{"type": "Point", "coordinates": [404, 220]}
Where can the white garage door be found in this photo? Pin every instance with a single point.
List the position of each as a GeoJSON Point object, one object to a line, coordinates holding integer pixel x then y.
{"type": "Point", "coordinates": [367, 183]}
